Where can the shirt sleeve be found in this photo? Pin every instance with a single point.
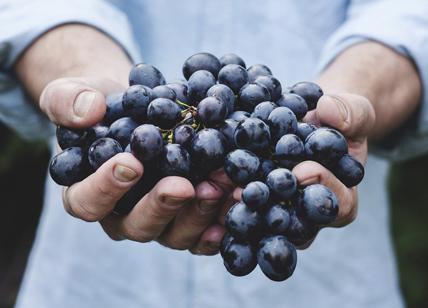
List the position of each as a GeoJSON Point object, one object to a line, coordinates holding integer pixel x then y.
{"type": "Point", "coordinates": [23, 21]}
{"type": "Point", "coordinates": [402, 26]}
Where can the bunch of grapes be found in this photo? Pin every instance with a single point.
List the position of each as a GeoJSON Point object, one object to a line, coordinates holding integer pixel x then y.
{"type": "Point", "coordinates": [222, 115]}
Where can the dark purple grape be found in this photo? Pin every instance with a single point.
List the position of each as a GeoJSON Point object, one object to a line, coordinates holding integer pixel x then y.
{"type": "Point", "coordinates": [282, 184]}
{"type": "Point", "coordinates": [114, 108]}
{"type": "Point", "coordinates": [300, 231]}
{"type": "Point", "coordinates": [146, 75]}
{"type": "Point", "coordinates": [128, 149]}
{"type": "Point", "coordinates": [198, 85]}
{"type": "Point", "coordinates": [319, 204]}
{"type": "Point", "coordinates": [224, 93]}
{"type": "Point", "coordinates": [266, 166]}
{"type": "Point", "coordinates": [289, 151]}
{"type": "Point", "coordinates": [96, 132]}
{"type": "Point", "coordinates": [164, 91]}
{"type": "Point", "coordinates": [294, 102]}
{"type": "Point", "coordinates": [69, 167]}
{"type": "Point", "coordinates": [183, 135]}
{"type": "Point", "coordinates": [208, 149]}
{"type": "Point", "coordinates": [69, 137]}
{"type": "Point", "coordinates": [349, 171]}
{"type": "Point", "coordinates": [252, 134]}
{"type": "Point", "coordinates": [242, 166]}
{"type": "Point", "coordinates": [228, 130]}
{"type": "Point", "coordinates": [180, 90]}
{"type": "Point", "coordinates": [263, 110]}
{"type": "Point", "coordinates": [251, 95]}
{"type": "Point", "coordinates": [282, 121]}
{"type": "Point", "coordinates": [242, 222]}
{"type": "Point", "coordinates": [311, 93]}
{"type": "Point", "coordinates": [121, 130]}
{"type": "Point", "coordinates": [164, 113]}
{"type": "Point", "coordinates": [227, 239]}
{"type": "Point", "coordinates": [239, 115]}
{"type": "Point", "coordinates": [277, 257]}
{"type": "Point", "coordinates": [175, 161]}
{"type": "Point", "coordinates": [326, 146]}
{"type": "Point", "coordinates": [255, 195]}
{"type": "Point", "coordinates": [146, 142]}
{"type": "Point", "coordinates": [231, 58]}
{"type": "Point", "coordinates": [212, 111]}
{"type": "Point", "coordinates": [304, 130]}
{"type": "Point", "coordinates": [257, 70]}
{"type": "Point", "coordinates": [201, 61]}
{"type": "Point", "coordinates": [239, 258]}
{"type": "Point", "coordinates": [277, 220]}
{"type": "Point", "coordinates": [234, 76]}
{"type": "Point", "coordinates": [272, 84]}
{"type": "Point", "coordinates": [102, 150]}
{"type": "Point", "coordinates": [135, 101]}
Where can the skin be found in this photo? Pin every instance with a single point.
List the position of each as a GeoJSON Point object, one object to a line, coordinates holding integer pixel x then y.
{"type": "Point", "coordinates": [369, 89]}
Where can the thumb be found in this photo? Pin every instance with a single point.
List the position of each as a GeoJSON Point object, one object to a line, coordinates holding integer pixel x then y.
{"type": "Point", "coordinates": [76, 102]}
{"type": "Point", "coordinates": [351, 114]}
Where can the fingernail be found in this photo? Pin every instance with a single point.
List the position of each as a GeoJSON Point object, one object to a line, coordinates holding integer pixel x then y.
{"type": "Point", "coordinates": [124, 174]}
{"type": "Point", "coordinates": [83, 103]}
{"type": "Point", "coordinates": [174, 201]}
{"type": "Point", "coordinates": [213, 246]}
{"type": "Point", "coordinates": [207, 206]}
{"type": "Point", "coordinates": [342, 108]}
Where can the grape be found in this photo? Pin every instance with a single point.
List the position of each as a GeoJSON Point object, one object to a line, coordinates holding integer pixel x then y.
{"type": "Point", "coordinates": [252, 134]}
{"type": "Point", "coordinates": [146, 75]}
{"type": "Point", "coordinates": [231, 58]}
{"type": "Point", "coordinates": [208, 149]}
{"type": "Point", "coordinates": [272, 84]}
{"type": "Point", "coordinates": [277, 257]}
{"type": "Point", "coordinates": [299, 231]}
{"type": "Point", "coordinates": [234, 76]}
{"type": "Point", "coordinates": [277, 220]}
{"type": "Point", "coordinates": [114, 108]}
{"type": "Point", "coordinates": [326, 146]}
{"type": "Point", "coordinates": [242, 222]}
{"type": "Point", "coordinates": [164, 113]}
{"type": "Point", "coordinates": [295, 103]}
{"type": "Point", "coordinates": [102, 150]}
{"type": "Point", "coordinates": [242, 166]}
{"type": "Point", "coordinates": [310, 92]}
{"type": "Point", "coordinates": [175, 161]}
{"type": "Point", "coordinates": [201, 61]}
{"type": "Point", "coordinates": [239, 257]}
{"type": "Point", "coordinates": [135, 101]}
{"type": "Point", "coordinates": [263, 110]}
{"type": "Point", "coordinates": [146, 142]}
{"type": "Point", "coordinates": [289, 151]}
{"type": "Point", "coordinates": [121, 130]}
{"type": "Point", "coordinates": [349, 170]}
{"type": "Point", "coordinates": [68, 137]}
{"type": "Point", "coordinates": [266, 166]}
{"type": "Point", "coordinates": [239, 115]}
{"type": "Point", "coordinates": [69, 167]}
{"type": "Point", "coordinates": [255, 195]}
{"type": "Point", "coordinates": [257, 70]}
{"type": "Point", "coordinates": [164, 92]}
{"type": "Point", "coordinates": [251, 95]}
{"type": "Point", "coordinates": [180, 90]}
{"type": "Point", "coordinates": [225, 94]}
{"type": "Point", "coordinates": [183, 135]}
{"type": "Point", "coordinates": [282, 183]}
{"type": "Point", "coordinates": [304, 130]}
{"type": "Point", "coordinates": [96, 132]}
{"type": "Point", "coordinates": [228, 130]}
{"type": "Point", "coordinates": [211, 111]}
{"type": "Point", "coordinates": [281, 121]}
{"type": "Point", "coordinates": [198, 85]}
{"type": "Point", "coordinates": [319, 204]}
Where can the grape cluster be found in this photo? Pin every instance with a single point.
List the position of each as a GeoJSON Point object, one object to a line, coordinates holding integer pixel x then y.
{"type": "Point", "coordinates": [222, 115]}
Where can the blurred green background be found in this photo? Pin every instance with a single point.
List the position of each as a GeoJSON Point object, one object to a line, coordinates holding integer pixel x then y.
{"type": "Point", "coordinates": [22, 174]}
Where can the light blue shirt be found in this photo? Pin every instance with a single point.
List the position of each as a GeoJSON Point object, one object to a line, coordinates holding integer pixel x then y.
{"type": "Point", "coordinates": [74, 264]}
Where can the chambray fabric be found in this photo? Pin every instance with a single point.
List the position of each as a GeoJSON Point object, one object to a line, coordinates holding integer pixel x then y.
{"type": "Point", "coordinates": [74, 264]}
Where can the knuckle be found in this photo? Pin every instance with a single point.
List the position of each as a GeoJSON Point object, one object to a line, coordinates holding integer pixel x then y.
{"type": "Point", "coordinates": [86, 212]}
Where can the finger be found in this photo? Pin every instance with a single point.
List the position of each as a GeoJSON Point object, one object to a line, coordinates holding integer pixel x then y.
{"type": "Point", "coordinates": [76, 102]}
{"type": "Point", "coordinates": [310, 172]}
{"type": "Point", "coordinates": [152, 214]}
{"type": "Point", "coordinates": [193, 219]}
{"type": "Point", "coordinates": [351, 114]}
{"type": "Point", "coordinates": [237, 193]}
{"type": "Point", "coordinates": [220, 178]}
{"type": "Point", "coordinates": [210, 241]}
{"type": "Point", "coordinates": [230, 201]}
{"type": "Point", "coordinates": [95, 197]}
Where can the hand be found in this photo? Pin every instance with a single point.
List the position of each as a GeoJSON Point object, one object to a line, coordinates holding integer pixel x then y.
{"type": "Point", "coordinates": [174, 213]}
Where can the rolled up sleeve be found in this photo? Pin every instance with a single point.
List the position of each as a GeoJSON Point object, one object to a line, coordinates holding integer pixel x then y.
{"type": "Point", "coordinates": [402, 26]}
{"type": "Point", "coordinates": [22, 22]}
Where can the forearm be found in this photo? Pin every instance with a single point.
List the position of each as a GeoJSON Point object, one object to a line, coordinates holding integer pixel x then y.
{"type": "Point", "coordinates": [389, 80]}
{"type": "Point", "coordinates": [71, 51]}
